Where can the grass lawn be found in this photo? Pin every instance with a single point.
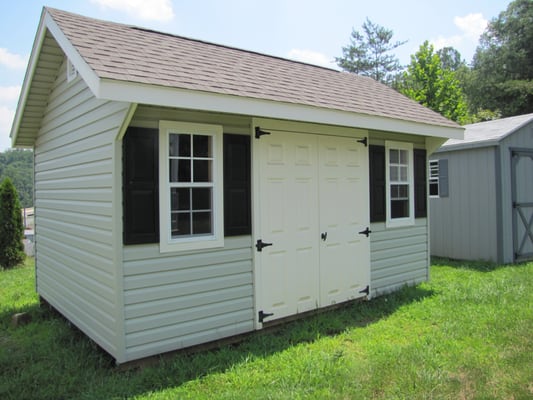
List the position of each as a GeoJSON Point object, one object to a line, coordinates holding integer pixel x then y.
{"type": "Point", "coordinates": [466, 334]}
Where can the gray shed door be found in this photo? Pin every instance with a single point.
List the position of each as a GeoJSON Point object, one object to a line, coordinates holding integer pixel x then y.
{"type": "Point", "coordinates": [522, 187]}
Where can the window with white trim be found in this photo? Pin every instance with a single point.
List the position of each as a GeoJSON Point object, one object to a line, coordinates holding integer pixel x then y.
{"type": "Point", "coordinates": [400, 183]}
{"type": "Point", "coordinates": [434, 178]}
{"type": "Point", "coordinates": [190, 186]}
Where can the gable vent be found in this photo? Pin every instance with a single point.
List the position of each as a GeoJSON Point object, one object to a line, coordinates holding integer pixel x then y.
{"type": "Point", "coordinates": [72, 72]}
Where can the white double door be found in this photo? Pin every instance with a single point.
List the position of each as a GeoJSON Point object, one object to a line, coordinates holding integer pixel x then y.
{"type": "Point", "coordinates": [313, 195]}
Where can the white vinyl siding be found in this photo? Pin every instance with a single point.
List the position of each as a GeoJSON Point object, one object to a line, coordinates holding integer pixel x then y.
{"type": "Point", "coordinates": [398, 256]}
{"type": "Point", "coordinates": [74, 161]}
{"type": "Point", "coordinates": [175, 301]}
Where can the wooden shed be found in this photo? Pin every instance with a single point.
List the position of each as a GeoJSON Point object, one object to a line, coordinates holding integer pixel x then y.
{"type": "Point", "coordinates": [481, 191]}
{"type": "Point", "coordinates": [187, 191]}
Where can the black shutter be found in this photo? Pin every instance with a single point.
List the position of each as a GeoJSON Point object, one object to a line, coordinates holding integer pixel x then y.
{"type": "Point", "coordinates": [140, 186]}
{"type": "Point", "coordinates": [420, 167]}
{"type": "Point", "coordinates": [378, 209]}
{"type": "Point", "coordinates": [237, 185]}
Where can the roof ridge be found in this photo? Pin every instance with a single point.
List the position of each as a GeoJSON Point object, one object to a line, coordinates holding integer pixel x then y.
{"type": "Point", "coordinates": [197, 40]}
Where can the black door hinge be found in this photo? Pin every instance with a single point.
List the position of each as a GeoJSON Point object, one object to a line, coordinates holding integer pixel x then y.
{"type": "Point", "coordinates": [366, 290]}
{"type": "Point", "coordinates": [263, 315]}
{"type": "Point", "coordinates": [366, 232]}
{"type": "Point", "coordinates": [363, 141]}
{"type": "Point", "coordinates": [260, 244]}
{"type": "Point", "coordinates": [259, 132]}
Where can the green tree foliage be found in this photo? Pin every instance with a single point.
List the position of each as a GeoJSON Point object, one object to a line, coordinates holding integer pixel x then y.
{"type": "Point", "coordinates": [502, 69]}
{"type": "Point", "coordinates": [430, 84]}
{"type": "Point", "coordinates": [368, 53]}
{"type": "Point", "coordinates": [11, 229]}
{"type": "Point", "coordinates": [17, 165]}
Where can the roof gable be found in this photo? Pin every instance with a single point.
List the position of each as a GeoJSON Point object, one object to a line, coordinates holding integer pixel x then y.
{"type": "Point", "coordinates": [128, 63]}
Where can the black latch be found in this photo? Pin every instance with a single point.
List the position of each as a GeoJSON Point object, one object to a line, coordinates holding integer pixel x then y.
{"type": "Point", "coordinates": [259, 132]}
{"type": "Point", "coordinates": [260, 244]}
{"type": "Point", "coordinates": [324, 236]}
{"type": "Point", "coordinates": [366, 232]}
{"type": "Point", "coordinates": [366, 290]}
{"type": "Point", "coordinates": [263, 315]}
{"type": "Point", "coordinates": [363, 141]}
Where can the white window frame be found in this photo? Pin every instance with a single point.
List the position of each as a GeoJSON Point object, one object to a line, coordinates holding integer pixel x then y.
{"type": "Point", "coordinates": [433, 177]}
{"type": "Point", "coordinates": [410, 220]}
{"type": "Point", "coordinates": [195, 242]}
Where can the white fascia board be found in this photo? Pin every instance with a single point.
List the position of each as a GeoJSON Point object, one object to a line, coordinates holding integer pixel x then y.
{"type": "Point", "coordinates": [208, 101]}
{"type": "Point", "coordinates": [88, 75]}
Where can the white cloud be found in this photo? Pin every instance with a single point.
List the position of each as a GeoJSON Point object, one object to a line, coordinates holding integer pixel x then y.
{"type": "Point", "coordinates": [311, 57]}
{"type": "Point", "coordinates": [472, 25]}
{"type": "Point", "coordinates": [6, 119]}
{"type": "Point", "coordinates": [154, 10]}
{"type": "Point", "coordinates": [11, 60]}
{"type": "Point", "coordinates": [9, 94]}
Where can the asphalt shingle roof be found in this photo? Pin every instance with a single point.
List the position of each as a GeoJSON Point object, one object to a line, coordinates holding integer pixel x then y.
{"type": "Point", "coordinates": [488, 133]}
{"type": "Point", "coordinates": [129, 53]}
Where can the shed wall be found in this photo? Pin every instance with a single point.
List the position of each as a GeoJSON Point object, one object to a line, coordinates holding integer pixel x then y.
{"type": "Point", "coordinates": [175, 301]}
{"type": "Point", "coordinates": [172, 300]}
{"type": "Point", "coordinates": [76, 270]}
{"type": "Point", "coordinates": [398, 256]}
{"type": "Point", "coordinates": [464, 224]}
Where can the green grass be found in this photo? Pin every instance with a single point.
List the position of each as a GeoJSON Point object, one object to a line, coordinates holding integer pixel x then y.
{"type": "Point", "coordinates": [467, 334]}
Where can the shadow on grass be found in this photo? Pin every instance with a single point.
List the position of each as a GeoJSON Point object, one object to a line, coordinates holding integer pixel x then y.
{"type": "Point", "coordinates": [479, 266]}
{"type": "Point", "coordinates": [83, 370]}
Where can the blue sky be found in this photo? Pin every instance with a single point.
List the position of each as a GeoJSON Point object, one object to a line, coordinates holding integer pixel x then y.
{"type": "Point", "coordinates": [307, 30]}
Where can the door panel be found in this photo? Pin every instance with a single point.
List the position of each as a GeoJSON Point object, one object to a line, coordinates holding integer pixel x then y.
{"type": "Point", "coordinates": [344, 254]}
{"type": "Point", "coordinates": [288, 183]}
{"type": "Point", "coordinates": [522, 167]}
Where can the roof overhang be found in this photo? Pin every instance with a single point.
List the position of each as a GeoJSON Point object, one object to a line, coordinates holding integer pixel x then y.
{"type": "Point", "coordinates": [214, 102]}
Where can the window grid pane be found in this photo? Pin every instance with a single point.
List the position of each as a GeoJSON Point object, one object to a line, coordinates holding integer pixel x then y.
{"type": "Point", "coordinates": [433, 177]}
{"type": "Point", "coordinates": [399, 183]}
{"type": "Point", "coordinates": [191, 184]}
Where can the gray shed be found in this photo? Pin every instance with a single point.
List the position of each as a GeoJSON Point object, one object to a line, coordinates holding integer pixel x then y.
{"type": "Point", "coordinates": [187, 191]}
{"type": "Point", "coordinates": [481, 193]}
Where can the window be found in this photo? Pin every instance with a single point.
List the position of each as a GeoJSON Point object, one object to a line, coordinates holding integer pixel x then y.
{"type": "Point", "coordinates": [434, 178]}
{"type": "Point", "coordinates": [400, 187]}
{"type": "Point", "coordinates": [190, 186]}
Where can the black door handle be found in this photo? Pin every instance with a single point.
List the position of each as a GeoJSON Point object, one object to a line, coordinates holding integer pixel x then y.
{"type": "Point", "coordinates": [260, 244]}
{"type": "Point", "coordinates": [324, 236]}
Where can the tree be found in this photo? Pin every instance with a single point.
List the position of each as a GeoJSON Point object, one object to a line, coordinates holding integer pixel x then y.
{"type": "Point", "coordinates": [502, 69]}
{"type": "Point", "coordinates": [17, 165]}
{"type": "Point", "coordinates": [368, 53]}
{"type": "Point", "coordinates": [11, 229]}
{"type": "Point", "coordinates": [428, 83]}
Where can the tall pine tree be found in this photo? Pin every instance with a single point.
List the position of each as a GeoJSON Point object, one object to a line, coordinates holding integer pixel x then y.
{"type": "Point", "coordinates": [11, 227]}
